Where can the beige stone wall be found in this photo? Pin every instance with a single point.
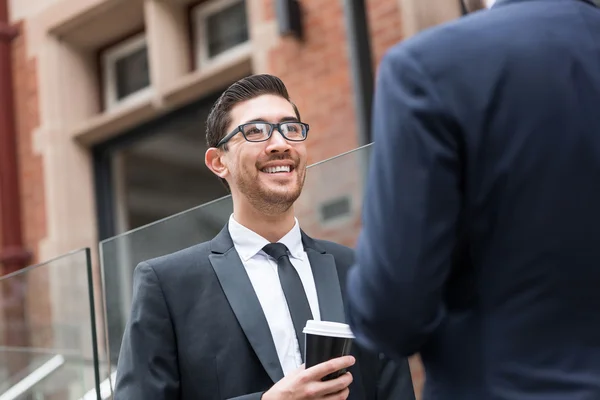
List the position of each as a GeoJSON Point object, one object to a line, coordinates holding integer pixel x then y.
{"type": "Point", "coordinates": [58, 106]}
{"type": "Point", "coordinates": [422, 14]}
{"type": "Point", "coordinates": [23, 9]}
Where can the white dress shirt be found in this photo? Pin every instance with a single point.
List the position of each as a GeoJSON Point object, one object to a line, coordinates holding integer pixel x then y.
{"type": "Point", "coordinates": [262, 271]}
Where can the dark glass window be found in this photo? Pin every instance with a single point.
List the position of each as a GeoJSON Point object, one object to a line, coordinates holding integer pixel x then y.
{"type": "Point", "coordinates": [155, 171]}
{"type": "Point", "coordinates": [226, 29]}
{"type": "Point", "coordinates": [132, 73]}
{"type": "Point", "coordinates": [335, 209]}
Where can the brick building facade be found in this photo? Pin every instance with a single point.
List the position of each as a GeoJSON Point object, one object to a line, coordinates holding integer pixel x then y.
{"type": "Point", "coordinates": [65, 121]}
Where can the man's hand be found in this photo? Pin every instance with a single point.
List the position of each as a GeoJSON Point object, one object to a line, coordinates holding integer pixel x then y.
{"type": "Point", "coordinates": [305, 384]}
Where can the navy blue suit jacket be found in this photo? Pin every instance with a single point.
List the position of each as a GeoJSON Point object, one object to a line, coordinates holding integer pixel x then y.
{"type": "Point", "coordinates": [481, 240]}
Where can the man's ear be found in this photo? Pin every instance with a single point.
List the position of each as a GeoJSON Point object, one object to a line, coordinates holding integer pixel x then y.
{"type": "Point", "coordinates": [214, 162]}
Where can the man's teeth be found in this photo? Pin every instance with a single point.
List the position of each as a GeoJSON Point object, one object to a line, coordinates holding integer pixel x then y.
{"type": "Point", "coordinates": [272, 170]}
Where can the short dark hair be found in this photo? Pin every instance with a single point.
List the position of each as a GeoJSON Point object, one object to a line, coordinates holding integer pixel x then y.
{"type": "Point", "coordinates": [245, 89]}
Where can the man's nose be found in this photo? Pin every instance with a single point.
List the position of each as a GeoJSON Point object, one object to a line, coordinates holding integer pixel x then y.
{"type": "Point", "coordinates": [277, 142]}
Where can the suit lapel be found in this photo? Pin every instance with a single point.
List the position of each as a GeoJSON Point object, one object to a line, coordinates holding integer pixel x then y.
{"type": "Point", "coordinates": [326, 280]}
{"type": "Point", "coordinates": [241, 297]}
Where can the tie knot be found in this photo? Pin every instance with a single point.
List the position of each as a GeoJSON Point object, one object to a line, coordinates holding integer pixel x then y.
{"type": "Point", "coordinates": [276, 250]}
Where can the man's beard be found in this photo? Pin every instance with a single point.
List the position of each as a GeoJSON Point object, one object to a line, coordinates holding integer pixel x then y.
{"type": "Point", "coordinates": [265, 200]}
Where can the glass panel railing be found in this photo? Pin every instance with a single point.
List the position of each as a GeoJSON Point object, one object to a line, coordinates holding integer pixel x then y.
{"type": "Point", "coordinates": [48, 347]}
{"type": "Point", "coordinates": [331, 201]}
{"type": "Point", "coordinates": [329, 208]}
{"type": "Point", "coordinates": [121, 254]}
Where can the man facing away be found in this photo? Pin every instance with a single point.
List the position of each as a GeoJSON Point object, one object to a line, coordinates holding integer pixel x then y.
{"type": "Point", "coordinates": [482, 215]}
{"type": "Point", "coordinates": [223, 319]}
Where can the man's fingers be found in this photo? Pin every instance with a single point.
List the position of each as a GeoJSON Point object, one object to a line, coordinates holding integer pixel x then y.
{"type": "Point", "coordinates": [328, 367]}
{"type": "Point", "coordinates": [297, 371]}
{"type": "Point", "coordinates": [340, 383]}
{"type": "Point", "coordinates": [334, 387]}
{"type": "Point", "coordinates": [341, 395]}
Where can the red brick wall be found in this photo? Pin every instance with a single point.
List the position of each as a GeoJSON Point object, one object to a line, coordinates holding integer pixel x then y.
{"type": "Point", "coordinates": [31, 180]}
{"type": "Point", "coordinates": [1, 237]}
{"type": "Point", "coordinates": [31, 177]}
{"type": "Point", "coordinates": [385, 25]}
{"type": "Point", "coordinates": [317, 70]}
{"type": "Point", "coordinates": [317, 75]}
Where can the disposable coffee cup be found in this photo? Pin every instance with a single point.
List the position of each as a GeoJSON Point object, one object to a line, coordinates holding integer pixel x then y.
{"type": "Point", "coordinates": [324, 341]}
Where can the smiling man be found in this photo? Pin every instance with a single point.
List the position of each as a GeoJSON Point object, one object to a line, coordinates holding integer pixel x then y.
{"type": "Point", "coordinates": [223, 319]}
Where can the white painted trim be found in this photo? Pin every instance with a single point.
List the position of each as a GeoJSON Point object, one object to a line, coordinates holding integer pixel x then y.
{"type": "Point", "coordinates": [200, 14]}
{"type": "Point", "coordinates": [109, 58]}
{"type": "Point", "coordinates": [33, 378]}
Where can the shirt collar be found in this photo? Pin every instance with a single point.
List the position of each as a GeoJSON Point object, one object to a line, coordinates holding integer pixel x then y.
{"type": "Point", "coordinates": [249, 243]}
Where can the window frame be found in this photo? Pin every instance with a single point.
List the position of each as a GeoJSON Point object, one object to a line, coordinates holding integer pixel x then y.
{"type": "Point", "coordinates": [200, 14]}
{"type": "Point", "coordinates": [109, 58]}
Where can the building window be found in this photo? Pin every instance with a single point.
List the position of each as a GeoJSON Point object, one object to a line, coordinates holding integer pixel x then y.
{"type": "Point", "coordinates": [155, 170]}
{"type": "Point", "coordinates": [221, 30]}
{"type": "Point", "coordinates": [336, 209]}
{"type": "Point", "coordinates": [126, 72]}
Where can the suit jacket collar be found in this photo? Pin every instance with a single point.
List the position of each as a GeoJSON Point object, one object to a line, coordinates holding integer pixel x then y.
{"type": "Point", "coordinates": [222, 243]}
{"type": "Point", "coordinates": [311, 244]}
{"type": "Point", "coordinates": [248, 243]}
{"type": "Point", "coordinates": [500, 3]}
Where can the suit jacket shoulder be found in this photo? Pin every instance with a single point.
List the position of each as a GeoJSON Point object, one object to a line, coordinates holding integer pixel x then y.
{"type": "Point", "coordinates": [184, 263]}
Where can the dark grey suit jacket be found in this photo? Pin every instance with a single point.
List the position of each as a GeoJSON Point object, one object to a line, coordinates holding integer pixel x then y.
{"type": "Point", "coordinates": [197, 330]}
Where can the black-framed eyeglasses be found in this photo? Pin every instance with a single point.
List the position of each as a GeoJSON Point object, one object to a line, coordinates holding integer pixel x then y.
{"type": "Point", "coordinates": [262, 131]}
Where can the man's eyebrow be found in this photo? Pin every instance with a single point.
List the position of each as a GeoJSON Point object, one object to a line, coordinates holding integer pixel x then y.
{"type": "Point", "coordinates": [284, 119]}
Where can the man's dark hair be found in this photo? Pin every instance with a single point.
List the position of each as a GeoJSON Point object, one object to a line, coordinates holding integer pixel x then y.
{"type": "Point", "coordinates": [245, 89]}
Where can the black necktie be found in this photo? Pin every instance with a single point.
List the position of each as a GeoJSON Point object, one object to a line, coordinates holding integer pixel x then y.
{"type": "Point", "coordinates": [292, 289]}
